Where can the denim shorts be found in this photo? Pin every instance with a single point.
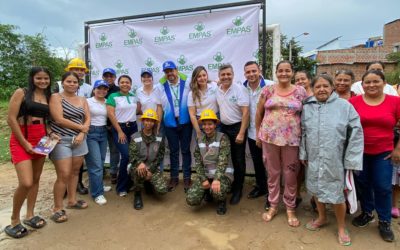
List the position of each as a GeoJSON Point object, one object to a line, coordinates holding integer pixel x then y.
{"type": "Point", "coordinates": [65, 149]}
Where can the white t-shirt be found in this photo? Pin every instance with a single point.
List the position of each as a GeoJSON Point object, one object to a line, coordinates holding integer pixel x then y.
{"type": "Point", "coordinates": [230, 103]}
{"type": "Point", "coordinates": [98, 112]}
{"type": "Point", "coordinates": [254, 97]}
{"type": "Point", "coordinates": [149, 101]}
{"type": "Point", "coordinates": [388, 89]}
{"type": "Point", "coordinates": [208, 100]}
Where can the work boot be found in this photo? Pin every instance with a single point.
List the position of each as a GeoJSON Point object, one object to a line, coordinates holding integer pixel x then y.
{"type": "Point", "coordinates": [137, 201]}
{"type": "Point", "coordinates": [173, 182]}
{"type": "Point", "coordinates": [221, 209]}
{"type": "Point", "coordinates": [187, 182]}
{"type": "Point", "coordinates": [386, 231]}
{"type": "Point", "coordinates": [81, 189]}
{"type": "Point", "coordinates": [207, 196]}
{"type": "Point", "coordinates": [236, 196]}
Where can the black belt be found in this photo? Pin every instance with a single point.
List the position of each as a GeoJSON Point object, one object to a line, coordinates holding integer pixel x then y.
{"type": "Point", "coordinates": [126, 124]}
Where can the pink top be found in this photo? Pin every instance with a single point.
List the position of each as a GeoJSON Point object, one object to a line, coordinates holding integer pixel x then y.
{"type": "Point", "coordinates": [378, 123]}
{"type": "Point", "coordinates": [281, 122]}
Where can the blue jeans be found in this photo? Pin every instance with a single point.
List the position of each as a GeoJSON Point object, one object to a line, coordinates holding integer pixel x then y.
{"type": "Point", "coordinates": [114, 153]}
{"type": "Point", "coordinates": [374, 185]}
{"type": "Point", "coordinates": [179, 139]}
{"type": "Point", "coordinates": [124, 182]}
{"type": "Point", "coordinates": [97, 144]}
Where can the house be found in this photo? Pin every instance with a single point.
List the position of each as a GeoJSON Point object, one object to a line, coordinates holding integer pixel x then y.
{"type": "Point", "coordinates": [356, 58]}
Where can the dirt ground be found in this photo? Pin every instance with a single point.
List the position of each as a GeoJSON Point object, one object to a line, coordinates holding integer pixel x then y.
{"type": "Point", "coordinates": [168, 223]}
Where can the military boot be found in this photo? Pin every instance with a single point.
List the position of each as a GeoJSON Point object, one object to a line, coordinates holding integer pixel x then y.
{"type": "Point", "coordinates": [221, 209]}
{"type": "Point", "coordinates": [137, 201]}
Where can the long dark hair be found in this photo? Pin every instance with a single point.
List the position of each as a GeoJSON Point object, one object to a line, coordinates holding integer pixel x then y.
{"type": "Point", "coordinates": [31, 85]}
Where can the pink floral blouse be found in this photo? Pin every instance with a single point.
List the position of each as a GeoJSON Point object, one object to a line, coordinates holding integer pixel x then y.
{"type": "Point", "coordinates": [281, 122]}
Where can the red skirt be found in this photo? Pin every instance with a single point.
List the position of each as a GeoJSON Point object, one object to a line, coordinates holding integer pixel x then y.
{"type": "Point", "coordinates": [18, 153]}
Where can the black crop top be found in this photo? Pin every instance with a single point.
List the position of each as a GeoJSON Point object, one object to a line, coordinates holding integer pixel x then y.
{"type": "Point", "coordinates": [35, 109]}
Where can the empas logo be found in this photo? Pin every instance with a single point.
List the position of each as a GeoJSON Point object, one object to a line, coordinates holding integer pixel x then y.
{"type": "Point", "coordinates": [256, 55]}
{"type": "Point", "coordinates": [183, 67]}
{"type": "Point", "coordinates": [239, 28]}
{"type": "Point", "coordinates": [218, 58]}
{"type": "Point", "coordinates": [120, 68]}
{"type": "Point", "coordinates": [200, 33]}
{"type": "Point", "coordinates": [165, 36]}
{"type": "Point", "coordinates": [133, 40]}
{"type": "Point", "coordinates": [233, 99]}
{"type": "Point", "coordinates": [103, 44]}
{"type": "Point", "coordinates": [149, 63]}
{"type": "Point", "coordinates": [94, 72]}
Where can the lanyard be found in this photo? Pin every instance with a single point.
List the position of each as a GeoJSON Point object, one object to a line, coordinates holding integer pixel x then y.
{"type": "Point", "coordinates": [175, 92]}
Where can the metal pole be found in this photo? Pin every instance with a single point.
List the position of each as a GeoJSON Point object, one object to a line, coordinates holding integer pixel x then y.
{"type": "Point", "coordinates": [290, 49]}
{"type": "Point", "coordinates": [264, 38]}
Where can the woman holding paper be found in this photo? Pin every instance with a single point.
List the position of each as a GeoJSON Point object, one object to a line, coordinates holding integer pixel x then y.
{"type": "Point", "coordinates": [332, 142]}
{"type": "Point", "coordinates": [27, 115]}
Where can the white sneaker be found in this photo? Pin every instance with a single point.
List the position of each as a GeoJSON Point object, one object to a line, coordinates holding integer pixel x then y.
{"type": "Point", "coordinates": [107, 188]}
{"type": "Point", "coordinates": [101, 200]}
{"type": "Point", "coordinates": [122, 194]}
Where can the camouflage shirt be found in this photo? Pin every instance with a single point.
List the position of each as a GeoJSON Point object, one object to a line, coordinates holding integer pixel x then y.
{"type": "Point", "coordinates": [223, 157]}
{"type": "Point", "coordinates": [134, 153]}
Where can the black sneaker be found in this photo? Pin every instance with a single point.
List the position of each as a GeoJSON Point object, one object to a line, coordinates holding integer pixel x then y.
{"type": "Point", "coordinates": [363, 219]}
{"type": "Point", "coordinates": [386, 231]}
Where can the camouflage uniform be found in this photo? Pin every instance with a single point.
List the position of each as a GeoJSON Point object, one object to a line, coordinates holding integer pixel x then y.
{"type": "Point", "coordinates": [211, 162]}
{"type": "Point", "coordinates": [150, 151]}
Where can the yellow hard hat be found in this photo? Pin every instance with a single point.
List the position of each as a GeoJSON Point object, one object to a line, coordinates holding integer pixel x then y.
{"type": "Point", "coordinates": [77, 63]}
{"type": "Point", "coordinates": [149, 114]}
{"type": "Point", "coordinates": [208, 114]}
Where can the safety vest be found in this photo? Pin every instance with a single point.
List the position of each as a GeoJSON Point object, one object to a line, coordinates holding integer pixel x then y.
{"type": "Point", "coordinates": [210, 154]}
{"type": "Point", "coordinates": [147, 151]}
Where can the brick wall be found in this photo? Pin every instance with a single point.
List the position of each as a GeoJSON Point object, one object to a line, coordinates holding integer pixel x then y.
{"type": "Point", "coordinates": [391, 33]}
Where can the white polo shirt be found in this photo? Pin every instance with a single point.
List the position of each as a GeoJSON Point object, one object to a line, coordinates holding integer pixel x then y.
{"type": "Point", "coordinates": [388, 89]}
{"type": "Point", "coordinates": [208, 100]}
{"type": "Point", "coordinates": [149, 101]}
{"type": "Point", "coordinates": [254, 97]}
{"type": "Point", "coordinates": [230, 103]}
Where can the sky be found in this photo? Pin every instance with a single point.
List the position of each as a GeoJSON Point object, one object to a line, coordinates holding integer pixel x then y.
{"type": "Point", "coordinates": [62, 21]}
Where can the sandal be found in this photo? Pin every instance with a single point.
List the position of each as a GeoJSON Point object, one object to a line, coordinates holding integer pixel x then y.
{"type": "Point", "coordinates": [17, 231]}
{"type": "Point", "coordinates": [35, 222]}
{"type": "Point", "coordinates": [59, 216]}
{"type": "Point", "coordinates": [292, 219]}
{"type": "Point", "coordinates": [344, 240]}
{"type": "Point", "coordinates": [313, 225]}
{"type": "Point", "coordinates": [80, 204]}
{"type": "Point", "coordinates": [268, 216]}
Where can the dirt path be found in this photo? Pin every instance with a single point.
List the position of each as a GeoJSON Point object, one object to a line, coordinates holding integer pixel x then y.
{"type": "Point", "coordinates": [168, 223]}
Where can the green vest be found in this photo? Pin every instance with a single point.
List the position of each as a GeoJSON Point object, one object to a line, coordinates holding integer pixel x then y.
{"type": "Point", "coordinates": [210, 154]}
{"type": "Point", "coordinates": [147, 152]}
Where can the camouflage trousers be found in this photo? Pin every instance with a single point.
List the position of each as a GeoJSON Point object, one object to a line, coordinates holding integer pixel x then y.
{"type": "Point", "coordinates": [157, 180]}
{"type": "Point", "coordinates": [196, 193]}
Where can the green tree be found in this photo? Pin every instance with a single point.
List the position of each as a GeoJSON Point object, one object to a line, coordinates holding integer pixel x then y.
{"type": "Point", "coordinates": [18, 53]}
{"type": "Point", "coordinates": [394, 76]}
{"type": "Point", "coordinates": [299, 63]}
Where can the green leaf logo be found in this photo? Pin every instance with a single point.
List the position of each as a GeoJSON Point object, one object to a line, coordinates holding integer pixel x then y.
{"type": "Point", "coordinates": [119, 64]}
{"type": "Point", "coordinates": [132, 33]}
{"type": "Point", "coordinates": [238, 21]}
{"type": "Point", "coordinates": [181, 60]}
{"type": "Point", "coordinates": [164, 30]}
{"type": "Point", "coordinates": [149, 62]}
{"type": "Point", "coordinates": [103, 37]}
{"type": "Point", "coordinates": [199, 26]}
{"type": "Point", "coordinates": [218, 57]}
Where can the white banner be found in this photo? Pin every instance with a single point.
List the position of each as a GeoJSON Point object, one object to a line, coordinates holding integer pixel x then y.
{"type": "Point", "coordinates": [211, 39]}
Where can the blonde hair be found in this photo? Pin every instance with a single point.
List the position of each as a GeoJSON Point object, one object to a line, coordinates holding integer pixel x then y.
{"type": "Point", "coordinates": [194, 86]}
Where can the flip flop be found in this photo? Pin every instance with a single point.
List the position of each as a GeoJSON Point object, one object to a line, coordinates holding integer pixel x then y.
{"type": "Point", "coordinates": [345, 240]}
{"type": "Point", "coordinates": [57, 217]}
{"type": "Point", "coordinates": [314, 226]}
{"type": "Point", "coordinates": [80, 204]}
{"type": "Point", "coordinates": [36, 222]}
{"type": "Point", "coordinates": [292, 219]}
{"type": "Point", "coordinates": [268, 216]}
{"type": "Point", "coordinates": [17, 231]}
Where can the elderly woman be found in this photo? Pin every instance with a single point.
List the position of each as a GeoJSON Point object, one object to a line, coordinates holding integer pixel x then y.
{"type": "Point", "coordinates": [332, 142]}
{"type": "Point", "coordinates": [379, 113]}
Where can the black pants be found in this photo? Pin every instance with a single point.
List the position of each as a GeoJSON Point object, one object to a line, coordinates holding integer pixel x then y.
{"type": "Point", "coordinates": [259, 169]}
{"type": "Point", "coordinates": [238, 154]}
